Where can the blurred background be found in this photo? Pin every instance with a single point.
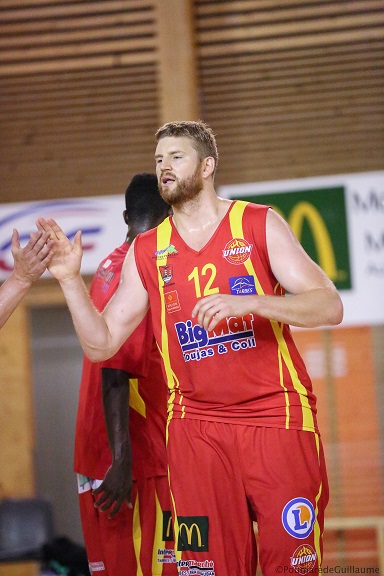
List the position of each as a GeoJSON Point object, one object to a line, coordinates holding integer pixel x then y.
{"type": "Point", "coordinates": [292, 89]}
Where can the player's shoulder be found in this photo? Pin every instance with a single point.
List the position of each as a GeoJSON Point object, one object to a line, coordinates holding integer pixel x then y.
{"type": "Point", "coordinates": [250, 213]}
{"type": "Point", "coordinates": [255, 207]}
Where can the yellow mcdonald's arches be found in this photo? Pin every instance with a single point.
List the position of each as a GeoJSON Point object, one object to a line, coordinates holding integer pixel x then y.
{"type": "Point", "coordinates": [189, 531]}
{"type": "Point", "coordinates": [324, 247]}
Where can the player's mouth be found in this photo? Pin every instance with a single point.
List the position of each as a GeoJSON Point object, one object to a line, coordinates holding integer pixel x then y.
{"type": "Point", "coordinates": [167, 180]}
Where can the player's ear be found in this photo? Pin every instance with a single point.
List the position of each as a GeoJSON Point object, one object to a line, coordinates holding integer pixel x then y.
{"type": "Point", "coordinates": [208, 166]}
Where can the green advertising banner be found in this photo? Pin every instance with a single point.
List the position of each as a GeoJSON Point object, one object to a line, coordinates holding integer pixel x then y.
{"type": "Point", "coordinates": [318, 219]}
{"type": "Point", "coordinates": [339, 220]}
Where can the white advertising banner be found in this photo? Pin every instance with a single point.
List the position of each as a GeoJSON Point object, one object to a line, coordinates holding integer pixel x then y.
{"type": "Point", "coordinates": [340, 222]}
{"type": "Point", "coordinates": [338, 219]}
{"type": "Point", "coordinates": [100, 218]}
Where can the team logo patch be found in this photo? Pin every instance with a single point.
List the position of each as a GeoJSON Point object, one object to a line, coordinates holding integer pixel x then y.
{"type": "Point", "coordinates": [193, 533]}
{"type": "Point", "coordinates": [105, 276]}
{"type": "Point", "coordinates": [237, 251]}
{"type": "Point", "coordinates": [241, 285]}
{"type": "Point", "coordinates": [166, 273]}
{"type": "Point", "coordinates": [303, 559]}
{"type": "Point", "coordinates": [171, 300]}
{"type": "Point", "coordinates": [165, 253]}
{"type": "Point", "coordinates": [298, 517]}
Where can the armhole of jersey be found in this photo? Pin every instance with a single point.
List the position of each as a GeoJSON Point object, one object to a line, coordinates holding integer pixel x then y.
{"type": "Point", "coordinates": [265, 237]}
{"type": "Point", "coordinates": [137, 260]}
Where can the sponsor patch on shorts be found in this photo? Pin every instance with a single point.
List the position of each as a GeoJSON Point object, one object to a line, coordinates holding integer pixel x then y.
{"type": "Point", "coordinates": [298, 517]}
{"type": "Point", "coordinates": [303, 559]}
{"type": "Point", "coordinates": [193, 533]}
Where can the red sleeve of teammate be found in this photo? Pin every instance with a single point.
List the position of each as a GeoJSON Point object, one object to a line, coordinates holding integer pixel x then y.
{"type": "Point", "coordinates": [133, 356]}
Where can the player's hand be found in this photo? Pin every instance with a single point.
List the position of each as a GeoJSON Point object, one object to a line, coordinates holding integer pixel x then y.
{"type": "Point", "coordinates": [31, 261]}
{"type": "Point", "coordinates": [212, 309]}
{"type": "Point", "coordinates": [66, 261]}
{"type": "Point", "coordinates": [115, 489]}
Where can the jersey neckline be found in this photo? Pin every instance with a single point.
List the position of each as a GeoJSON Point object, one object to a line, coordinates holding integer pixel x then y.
{"type": "Point", "coordinates": [211, 239]}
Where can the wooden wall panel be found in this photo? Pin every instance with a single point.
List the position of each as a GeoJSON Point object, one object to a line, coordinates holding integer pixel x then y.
{"type": "Point", "coordinates": [16, 413]}
{"type": "Point", "coordinates": [78, 97]}
{"type": "Point", "coordinates": [292, 88]}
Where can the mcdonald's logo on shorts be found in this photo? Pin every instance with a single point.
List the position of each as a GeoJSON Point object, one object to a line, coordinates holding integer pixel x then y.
{"type": "Point", "coordinates": [193, 533]}
{"type": "Point", "coordinates": [167, 526]}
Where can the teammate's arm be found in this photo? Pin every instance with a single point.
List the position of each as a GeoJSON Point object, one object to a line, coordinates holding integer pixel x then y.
{"type": "Point", "coordinates": [29, 264]}
{"type": "Point", "coordinates": [312, 301]}
{"type": "Point", "coordinates": [117, 484]}
{"type": "Point", "coordinates": [100, 334]}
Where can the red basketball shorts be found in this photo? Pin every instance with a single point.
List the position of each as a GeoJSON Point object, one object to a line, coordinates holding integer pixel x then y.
{"type": "Point", "coordinates": [225, 476]}
{"type": "Point", "coordinates": [136, 541]}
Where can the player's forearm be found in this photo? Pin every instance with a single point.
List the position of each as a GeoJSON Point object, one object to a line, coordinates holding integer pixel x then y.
{"type": "Point", "coordinates": [12, 292]}
{"type": "Point", "coordinates": [115, 394]}
{"type": "Point", "coordinates": [90, 326]}
{"type": "Point", "coordinates": [318, 307]}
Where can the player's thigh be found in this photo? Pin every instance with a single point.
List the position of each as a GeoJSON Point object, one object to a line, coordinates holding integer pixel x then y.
{"type": "Point", "coordinates": [288, 489]}
{"type": "Point", "coordinates": [210, 509]}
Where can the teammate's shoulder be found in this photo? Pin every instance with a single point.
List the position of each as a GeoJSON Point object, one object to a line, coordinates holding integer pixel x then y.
{"type": "Point", "coordinates": [150, 234]}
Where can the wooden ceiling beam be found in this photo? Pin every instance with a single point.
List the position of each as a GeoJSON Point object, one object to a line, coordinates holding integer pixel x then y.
{"type": "Point", "coordinates": [76, 63]}
{"type": "Point", "coordinates": [35, 45]}
{"type": "Point", "coordinates": [281, 43]}
{"type": "Point", "coordinates": [76, 50]}
{"type": "Point", "coordinates": [17, 11]}
{"type": "Point", "coordinates": [20, 30]}
{"type": "Point", "coordinates": [84, 79]}
{"type": "Point", "coordinates": [292, 69]}
{"type": "Point", "coordinates": [226, 15]}
{"type": "Point", "coordinates": [255, 93]}
{"type": "Point", "coordinates": [206, 9]}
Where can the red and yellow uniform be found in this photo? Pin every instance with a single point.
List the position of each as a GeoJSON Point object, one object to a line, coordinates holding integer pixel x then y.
{"type": "Point", "coordinates": [242, 431]}
{"type": "Point", "coordinates": [139, 540]}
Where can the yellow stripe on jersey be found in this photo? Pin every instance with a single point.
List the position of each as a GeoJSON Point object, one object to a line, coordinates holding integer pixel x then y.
{"type": "Point", "coordinates": [135, 400]}
{"type": "Point", "coordinates": [164, 231]}
{"type": "Point", "coordinates": [178, 553]}
{"type": "Point", "coordinates": [137, 535]}
{"type": "Point", "coordinates": [158, 541]}
{"type": "Point", "coordinates": [316, 526]}
{"type": "Point", "coordinates": [236, 223]}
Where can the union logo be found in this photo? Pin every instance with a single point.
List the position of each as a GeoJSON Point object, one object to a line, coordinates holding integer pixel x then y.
{"type": "Point", "coordinates": [303, 559]}
{"type": "Point", "coordinates": [237, 251]}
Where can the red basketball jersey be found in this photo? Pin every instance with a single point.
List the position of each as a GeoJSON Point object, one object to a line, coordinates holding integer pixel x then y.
{"type": "Point", "coordinates": [247, 370]}
{"type": "Point", "coordinates": [148, 393]}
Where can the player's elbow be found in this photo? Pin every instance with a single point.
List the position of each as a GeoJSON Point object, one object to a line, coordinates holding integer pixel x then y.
{"type": "Point", "coordinates": [97, 354]}
{"type": "Point", "coordinates": [335, 309]}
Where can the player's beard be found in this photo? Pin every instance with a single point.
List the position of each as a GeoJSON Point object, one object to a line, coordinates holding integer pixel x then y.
{"type": "Point", "coordinates": [185, 190]}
